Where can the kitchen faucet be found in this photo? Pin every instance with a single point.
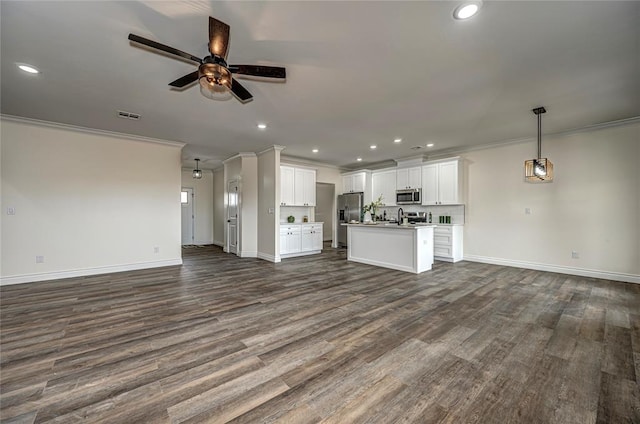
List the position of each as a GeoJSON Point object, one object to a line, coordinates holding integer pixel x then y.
{"type": "Point", "coordinates": [400, 214]}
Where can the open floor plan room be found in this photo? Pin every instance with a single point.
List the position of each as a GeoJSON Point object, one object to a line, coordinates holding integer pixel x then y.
{"type": "Point", "coordinates": [321, 340]}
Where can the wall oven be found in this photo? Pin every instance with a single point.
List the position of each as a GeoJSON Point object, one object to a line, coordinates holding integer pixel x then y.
{"type": "Point", "coordinates": [411, 196]}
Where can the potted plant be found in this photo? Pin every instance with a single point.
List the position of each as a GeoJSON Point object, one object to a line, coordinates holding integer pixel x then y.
{"type": "Point", "coordinates": [373, 207]}
{"type": "Point", "coordinates": [290, 219]}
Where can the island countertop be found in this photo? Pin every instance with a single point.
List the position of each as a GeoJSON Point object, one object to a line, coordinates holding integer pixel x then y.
{"type": "Point", "coordinates": [392, 226]}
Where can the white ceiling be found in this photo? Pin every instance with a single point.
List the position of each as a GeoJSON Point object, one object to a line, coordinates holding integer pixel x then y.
{"type": "Point", "coordinates": [358, 73]}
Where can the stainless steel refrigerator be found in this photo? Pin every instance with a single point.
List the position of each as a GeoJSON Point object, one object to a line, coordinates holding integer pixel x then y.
{"type": "Point", "coordinates": [349, 209]}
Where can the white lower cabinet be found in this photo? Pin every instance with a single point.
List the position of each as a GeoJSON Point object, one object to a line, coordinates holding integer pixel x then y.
{"type": "Point", "coordinates": [447, 243]}
{"type": "Point", "coordinates": [300, 239]}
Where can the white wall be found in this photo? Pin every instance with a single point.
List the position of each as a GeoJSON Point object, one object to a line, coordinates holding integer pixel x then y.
{"type": "Point", "coordinates": [88, 201]}
{"type": "Point", "coordinates": [592, 206]}
{"type": "Point", "coordinates": [203, 202]}
{"type": "Point", "coordinates": [268, 213]}
{"type": "Point", "coordinates": [219, 218]}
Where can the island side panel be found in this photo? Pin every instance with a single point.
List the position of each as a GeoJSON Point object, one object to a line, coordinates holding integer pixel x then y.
{"type": "Point", "coordinates": [424, 255]}
{"type": "Point", "coordinates": [394, 249]}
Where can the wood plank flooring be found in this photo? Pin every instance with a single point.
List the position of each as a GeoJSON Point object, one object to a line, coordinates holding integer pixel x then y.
{"type": "Point", "coordinates": [320, 340]}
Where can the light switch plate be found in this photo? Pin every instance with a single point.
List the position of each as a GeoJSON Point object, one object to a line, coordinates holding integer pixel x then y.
{"type": "Point", "coordinates": [11, 210]}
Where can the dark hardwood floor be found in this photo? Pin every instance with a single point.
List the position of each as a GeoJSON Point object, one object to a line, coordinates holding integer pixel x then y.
{"type": "Point", "coordinates": [320, 340]}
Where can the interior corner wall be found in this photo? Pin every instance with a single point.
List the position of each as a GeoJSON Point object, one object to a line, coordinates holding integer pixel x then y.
{"type": "Point", "coordinates": [592, 207]}
{"type": "Point", "coordinates": [86, 203]}
{"type": "Point", "coordinates": [329, 175]}
{"type": "Point", "coordinates": [268, 237]}
{"type": "Point", "coordinates": [203, 202]}
{"type": "Point", "coordinates": [249, 207]}
{"type": "Point", "coordinates": [218, 207]}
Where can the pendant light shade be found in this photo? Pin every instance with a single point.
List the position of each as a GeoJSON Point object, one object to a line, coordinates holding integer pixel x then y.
{"type": "Point", "coordinates": [539, 170]}
{"type": "Point", "coordinates": [197, 173]}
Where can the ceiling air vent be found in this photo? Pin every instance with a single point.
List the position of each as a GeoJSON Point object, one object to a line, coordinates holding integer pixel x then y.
{"type": "Point", "coordinates": [128, 115]}
{"type": "Point", "coordinates": [417, 147]}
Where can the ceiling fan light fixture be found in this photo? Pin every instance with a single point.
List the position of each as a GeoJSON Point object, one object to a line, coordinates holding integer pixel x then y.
{"type": "Point", "coordinates": [197, 173]}
{"type": "Point", "coordinates": [215, 81]}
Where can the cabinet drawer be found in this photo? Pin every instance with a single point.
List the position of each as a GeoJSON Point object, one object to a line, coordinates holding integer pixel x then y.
{"type": "Point", "coordinates": [442, 251]}
{"type": "Point", "coordinates": [442, 240]}
{"type": "Point", "coordinates": [443, 230]}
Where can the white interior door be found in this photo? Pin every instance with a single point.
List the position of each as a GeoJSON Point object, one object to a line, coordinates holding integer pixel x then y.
{"type": "Point", "coordinates": [186, 199]}
{"type": "Point", "coordinates": [232, 217]}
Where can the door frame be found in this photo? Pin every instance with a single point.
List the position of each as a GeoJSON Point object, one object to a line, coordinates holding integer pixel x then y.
{"type": "Point", "coordinates": [227, 247]}
{"type": "Point", "coordinates": [193, 214]}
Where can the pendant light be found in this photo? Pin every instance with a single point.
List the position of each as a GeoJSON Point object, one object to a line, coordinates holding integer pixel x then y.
{"type": "Point", "coordinates": [197, 173]}
{"type": "Point", "coordinates": [539, 170]}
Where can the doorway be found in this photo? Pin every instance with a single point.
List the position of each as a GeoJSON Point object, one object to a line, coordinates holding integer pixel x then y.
{"type": "Point", "coordinates": [325, 196]}
{"type": "Point", "coordinates": [188, 218]}
{"type": "Point", "coordinates": [232, 217]}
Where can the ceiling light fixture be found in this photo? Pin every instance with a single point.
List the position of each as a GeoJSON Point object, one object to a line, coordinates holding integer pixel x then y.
{"type": "Point", "coordinates": [215, 81]}
{"type": "Point", "coordinates": [315, 151]}
{"type": "Point", "coordinates": [467, 10]}
{"type": "Point", "coordinates": [430, 145]}
{"type": "Point", "coordinates": [197, 173]}
{"type": "Point", "coordinates": [262, 126]}
{"type": "Point", "coordinates": [28, 68]}
{"type": "Point", "coordinates": [397, 140]}
{"type": "Point", "coordinates": [539, 170]}
{"type": "Point", "coordinates": [359, 159]}
{"type": "Point", "coordinates": [373, 147]}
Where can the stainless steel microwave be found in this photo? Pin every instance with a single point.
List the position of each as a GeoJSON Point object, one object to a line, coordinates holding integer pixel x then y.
{"type": "Point", "coordinates": [409, 197]}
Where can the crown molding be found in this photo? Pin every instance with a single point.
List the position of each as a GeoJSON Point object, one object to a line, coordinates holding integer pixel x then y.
{"type": "Point", "coordinates": [93, 131]}
{"type": "Point", "coordinates": [274, 148]}
{"type": "Point", "coordinates": [302, 161]}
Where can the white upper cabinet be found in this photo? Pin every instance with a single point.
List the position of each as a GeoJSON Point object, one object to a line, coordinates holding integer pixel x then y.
{"type": "Point", "coordinates": [305, 187]}
{"type": "Point", "coordinates": [354, 183]}
{"type": "Point", "coordinates": [384, 184]}
{"type": "Point", "coordinates": [409, 178]}
{"type": "Point", "coordinates": [287, 187]}
{"type": "Point", "coordinates": [441, 183]}
{"type": "Point", "coordinates": [297, 186]}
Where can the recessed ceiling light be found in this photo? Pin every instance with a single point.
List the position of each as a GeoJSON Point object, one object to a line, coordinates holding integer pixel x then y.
{"type": "Point", "coordinates": [397, 140]}
{"type": "Point", "coordinates": [430, 145]}
{"type": "Point", "coordinates": [262, 126]}
{"type": "Point", "coordinates": [359, 159]}
{"type": "Point", "coordinates": [466, 10]}
{"type": "Point", "coordinates": [28, 68]}
{"type": "Point", "coordinates": [373, 147]}
{"type": "Point", "coordinates": [315, 150]}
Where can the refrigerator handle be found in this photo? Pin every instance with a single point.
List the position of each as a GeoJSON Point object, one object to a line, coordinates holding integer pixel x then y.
{"type": "Point", "coordinates": [346, 213]}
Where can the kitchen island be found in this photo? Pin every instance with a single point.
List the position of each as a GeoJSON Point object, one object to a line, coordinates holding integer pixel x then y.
{"type": "Point", "coordinates": [402, 247]}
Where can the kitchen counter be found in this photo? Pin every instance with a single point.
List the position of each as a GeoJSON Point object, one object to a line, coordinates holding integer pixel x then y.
{"type": "Point", "coordinates": [402, 247]}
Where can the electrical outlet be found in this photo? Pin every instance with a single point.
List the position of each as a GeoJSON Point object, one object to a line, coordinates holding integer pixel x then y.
{"type": "Point", "coordinates": [39, 259]}
{"type": "Point", "coordinates": [11, 210]}
{"type": "Point", "coordinates": [575, 255]}
{"type": "Point", "coordinates": [156, 249]}
{"type": "Point", "coordinates": [527, 211]}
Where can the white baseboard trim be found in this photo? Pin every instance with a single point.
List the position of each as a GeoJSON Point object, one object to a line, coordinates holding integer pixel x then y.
{"type": "Point", "coordinates": [249, 254]}
{"type": "Point", "coordinates": [605, 275]}
{"type": "Point", "coordinates": [218, 243]}
{"type": "Point", "coordinates": [56, 275]}
{"type": "Point", "coordinates": [295, 255]}
{"type": "Point", "coordinates": [268, 257]}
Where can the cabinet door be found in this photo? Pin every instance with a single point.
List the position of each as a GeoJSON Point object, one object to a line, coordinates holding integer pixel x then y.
{"type": "Point", "coordinates": [284, 243]}
{"type": "Point", "coordinates": [347, 184]}
{"type": "Point", "coordinates": [294, 242]}
{"type": "Point", "coordinates": [402, 179]}
{"type": "Point", "coordinates": [287, 186]}
{"type": "Point", "coordinates": [448, 182]}
{"type": "Point", "coordinates": [384, 184]}
{"type": "Point", "coordinates": [305, 187]}
{"type": "Point", "coordinates": [415, 177]}
{"type": "Point", "coordinates": [359, 182]}
{"type": "Point", "coordinates": [430, 184]}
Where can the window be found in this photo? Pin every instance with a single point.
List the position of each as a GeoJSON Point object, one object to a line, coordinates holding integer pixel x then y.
{"type": "Point", "coordinates": [184, 197]}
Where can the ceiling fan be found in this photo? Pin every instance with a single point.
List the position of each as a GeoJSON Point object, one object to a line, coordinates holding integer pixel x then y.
{"type": "Point", "coordinates": [214, 75]}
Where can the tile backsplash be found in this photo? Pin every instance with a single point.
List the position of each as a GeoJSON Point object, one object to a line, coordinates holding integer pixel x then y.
{"type": "Point", "coordinates": [298, 212]}
{"type": "Point", "coordinates": [455, 211]}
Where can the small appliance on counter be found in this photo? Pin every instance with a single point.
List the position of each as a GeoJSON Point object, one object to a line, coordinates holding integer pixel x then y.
{"type": "Point", "coordinates": [416, 217]}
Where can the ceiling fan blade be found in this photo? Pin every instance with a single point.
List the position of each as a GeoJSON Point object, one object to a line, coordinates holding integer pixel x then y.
{"type": "Point", "coordinates": [240, 92]}
{"type": "Point", "coordinates": [185, 80]}
{"type": "Point", "coordinates": [218, 37]}
{"type": "Point", "coordinates": [164, 48]}
{"type": "Point", "coordinates": [259, 71]}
